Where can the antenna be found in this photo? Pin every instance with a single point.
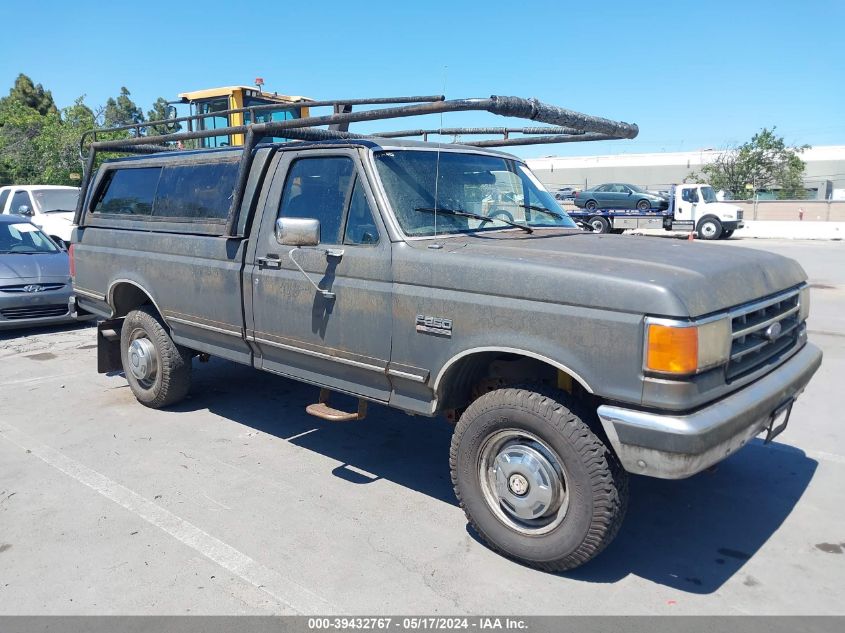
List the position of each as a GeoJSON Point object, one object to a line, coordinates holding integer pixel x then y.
{"type": "Point", "coordinates": [439, 146]}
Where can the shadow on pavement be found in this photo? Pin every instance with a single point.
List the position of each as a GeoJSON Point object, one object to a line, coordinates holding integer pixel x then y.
{"type": "Point", "coordinates": [692, 535]}
{"type": "Point", "coordinates": [410, 451]}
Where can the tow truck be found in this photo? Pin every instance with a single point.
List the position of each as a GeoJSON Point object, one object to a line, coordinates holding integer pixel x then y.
{"type": "Point", "coordinates": [692, 207]}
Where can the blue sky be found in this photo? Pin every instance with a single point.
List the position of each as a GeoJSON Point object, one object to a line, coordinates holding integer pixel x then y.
{"type": "Point", "coordinates": [690, 74]}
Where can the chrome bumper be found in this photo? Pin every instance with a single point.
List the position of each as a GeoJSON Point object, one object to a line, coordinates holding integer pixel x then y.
{"type": "Point", "coordinates": [677, 446]}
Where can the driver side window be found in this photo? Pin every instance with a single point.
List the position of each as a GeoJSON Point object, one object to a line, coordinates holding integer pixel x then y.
{"type": "Point", "coordinates": [20, 199]}
{"type": "Point", "coordinates": [689, 195]}
{"type": "Point", "coordinates": [319, 188]}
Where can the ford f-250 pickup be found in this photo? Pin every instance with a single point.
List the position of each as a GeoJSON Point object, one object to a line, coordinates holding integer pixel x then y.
{"type": "Point", "coordinates": [384, 269]}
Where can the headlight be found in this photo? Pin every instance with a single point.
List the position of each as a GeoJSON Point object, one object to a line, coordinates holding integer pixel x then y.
{"type": "Point", "coordinates": [804, 304]}
{"type": "Point", "coordinates": [679, 347]}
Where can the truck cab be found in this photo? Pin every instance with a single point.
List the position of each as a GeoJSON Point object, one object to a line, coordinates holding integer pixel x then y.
{"type": "Point", "coordinates": [696, 208]}
{"type": "Point", "coordinates": [232, 106]}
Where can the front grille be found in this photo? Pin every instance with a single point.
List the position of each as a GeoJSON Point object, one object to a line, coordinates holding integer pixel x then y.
{"type": "Point", "coordinates": [22, 287]}
{"type": "Point", "coordinates": [34, 312]}
{"type": "Point", "coordinates": [756, 338]}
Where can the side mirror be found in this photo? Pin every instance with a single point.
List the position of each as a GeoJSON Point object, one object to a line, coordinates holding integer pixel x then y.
{"type": "Point", "coordinates": [298, 231]}
{"type": "Point", "coordinates": [25, 210]}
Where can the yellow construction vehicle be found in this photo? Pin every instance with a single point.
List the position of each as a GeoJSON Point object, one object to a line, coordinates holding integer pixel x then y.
{"type": "Point", "coordinates": [232, 106]}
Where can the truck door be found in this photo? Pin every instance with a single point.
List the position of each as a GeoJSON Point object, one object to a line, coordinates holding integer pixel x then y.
{"type": "Point", "coordinates": [686, 200]}
{"type": "Point", "coordinates": [341, 343]}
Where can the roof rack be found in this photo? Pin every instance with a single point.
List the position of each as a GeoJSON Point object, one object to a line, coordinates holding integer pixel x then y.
{"type": "Point", "coordinates": [566, 126]}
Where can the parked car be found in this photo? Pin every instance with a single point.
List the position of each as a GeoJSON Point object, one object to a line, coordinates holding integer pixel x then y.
{"type": "Point", "coordinates": [49, 207]}
{"type": "Point", "coordinates": [35, 286]}
{"type": "Point", "coordinates": [617, 195]}
{"type": "Point", "coordinates": [565, 193]}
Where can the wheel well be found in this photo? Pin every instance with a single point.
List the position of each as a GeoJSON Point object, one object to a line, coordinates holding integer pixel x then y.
{"type": "Point", "coordinates": [126, 297]}
{"type": "Point", "coordinates": [476, 374]}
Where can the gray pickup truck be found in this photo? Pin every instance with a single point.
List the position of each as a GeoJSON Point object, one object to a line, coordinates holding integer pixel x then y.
{"type": "Point", "coordinates": [445, 280]}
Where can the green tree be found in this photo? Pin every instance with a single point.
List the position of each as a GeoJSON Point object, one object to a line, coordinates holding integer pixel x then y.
{"type": "Point", "coordinates": [20, 126]}
{"type": "Point", "coordinates": [122, 111]}
{"type": "Point", "coordinates": [765, 162]}
{"type": "Point", "coordinates": [31, 95]}
{"type": "Point", "coordinates": [160, 111]}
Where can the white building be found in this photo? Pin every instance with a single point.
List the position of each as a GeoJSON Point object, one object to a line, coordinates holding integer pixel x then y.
{"type": "Point", "coordinates": [824, 175]}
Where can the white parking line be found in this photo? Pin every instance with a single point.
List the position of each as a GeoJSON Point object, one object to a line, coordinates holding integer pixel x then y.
{"type": "Point", "coordinates": [24, 381]}
{"type": "Point", "coordinates": [294, 598]}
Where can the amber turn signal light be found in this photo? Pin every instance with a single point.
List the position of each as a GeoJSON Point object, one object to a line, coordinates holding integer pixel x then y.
{"type": "Point", "coordinates": [672, 350]}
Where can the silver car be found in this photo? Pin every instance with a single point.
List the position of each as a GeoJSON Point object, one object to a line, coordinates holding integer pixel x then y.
{"type": "Point", "coordinates": [35, 284]}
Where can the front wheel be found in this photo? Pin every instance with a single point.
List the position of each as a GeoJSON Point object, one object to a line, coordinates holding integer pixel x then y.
{"type": "Point", "coordinates": [158, 370]}
{"type": "Point", "coordinates": [534, 480]}
{"type": "Point", "coordinates": [644, 205]}
{"type": "Point", "coordinates": [709, 229]}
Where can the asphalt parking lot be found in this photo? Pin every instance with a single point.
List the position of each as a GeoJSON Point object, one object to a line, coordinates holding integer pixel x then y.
{"type": "Point", "coordinates": [237, 502]}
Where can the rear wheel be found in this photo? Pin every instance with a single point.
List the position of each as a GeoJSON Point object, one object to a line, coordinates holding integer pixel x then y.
{"type": "Point", "coordinates": [592, 205]}
{"type": "Point", "coordinates": [644, 205]}
{"type": "Point", "coordinates": [534, 480]}
{"type": "Point", "coordinates": [158, 371]}
{"type": "Point", "coordinates": [599, 224]}
{"type": "Point", "coordinates": [709, 229]}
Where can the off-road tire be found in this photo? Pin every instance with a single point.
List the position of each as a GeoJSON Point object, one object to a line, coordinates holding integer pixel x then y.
{"type": "Point", "coordinates": [173, 378]}
{"type": "Point", "coordinates": [597, 483]}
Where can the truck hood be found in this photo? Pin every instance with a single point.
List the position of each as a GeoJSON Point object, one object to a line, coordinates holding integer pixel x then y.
{"type": "Point", "coordinates": [17, 268]}
{"type": "Point", "coordinates": [646, 275]}
{"type": "Point", "coordinates": [721, 208]}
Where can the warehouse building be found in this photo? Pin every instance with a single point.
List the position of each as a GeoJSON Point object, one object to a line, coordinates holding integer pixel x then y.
{"type": "Point", "coordinates": [824, 177]}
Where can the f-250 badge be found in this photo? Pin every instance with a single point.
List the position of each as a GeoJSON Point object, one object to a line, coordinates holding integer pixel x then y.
{"type": "Point", "coordinates": [434, 325]}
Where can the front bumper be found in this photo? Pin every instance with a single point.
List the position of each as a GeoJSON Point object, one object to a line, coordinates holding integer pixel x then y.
{"type": "Point", "coordinates": [677, 446]}
{"type": "Point", "coordinates": [732, 225]}
{"type": "Point", "coordinates": [20, 309]}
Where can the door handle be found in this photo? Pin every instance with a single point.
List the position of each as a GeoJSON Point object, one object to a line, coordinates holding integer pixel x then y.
{"type": "Point", "coordinates": [271, 261]}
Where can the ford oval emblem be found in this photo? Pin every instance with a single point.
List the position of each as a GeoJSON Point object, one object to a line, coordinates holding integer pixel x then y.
{"type": "Point", "coordinates": [33, 288]}
{"type": "Point", "coordinates": [773, 331]}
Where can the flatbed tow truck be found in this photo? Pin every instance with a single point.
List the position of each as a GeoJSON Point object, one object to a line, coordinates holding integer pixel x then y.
{"type": "Point", "coordinates": [692, 207]}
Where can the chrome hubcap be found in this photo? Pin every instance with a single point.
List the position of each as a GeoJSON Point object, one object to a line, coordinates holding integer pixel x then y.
{"type": "Point", "coordinates": [708, 229]}
{"type": "Point", "coordinates": [143, 361]}
{"type": "Point", "coordinates": [523, 482]}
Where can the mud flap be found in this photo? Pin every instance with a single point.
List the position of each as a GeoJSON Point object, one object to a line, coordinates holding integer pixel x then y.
{"type": "Point", "coordinates": [108, 346]}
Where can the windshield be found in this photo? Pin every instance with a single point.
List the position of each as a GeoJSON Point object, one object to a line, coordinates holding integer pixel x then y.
{"type": "Point", "coordinates": [51, 200]}
{"type": "Point", "coordinates": [24, 238]}
{"type": "Point", "coordinates": [489, 186]}
{"type": "Point", "coordinates": [708, 194]}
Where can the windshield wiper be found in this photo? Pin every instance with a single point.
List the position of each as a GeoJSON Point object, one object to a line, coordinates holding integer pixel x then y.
{"type": "Point", "coordinates": [476, 216]}
{"type": "Point", "coordinates": [534, 207]}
